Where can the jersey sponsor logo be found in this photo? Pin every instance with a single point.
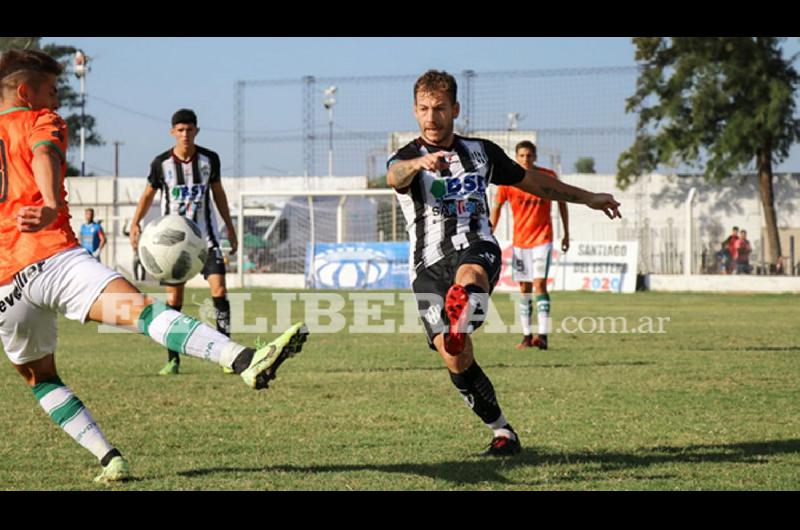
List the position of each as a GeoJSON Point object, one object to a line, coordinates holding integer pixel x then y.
{"type": "Point", "coordinates": [185, 194]}
{"type": "Point", "coordinates": [458, 187]}
{"type": "Point", "coordinates": [460, 207]}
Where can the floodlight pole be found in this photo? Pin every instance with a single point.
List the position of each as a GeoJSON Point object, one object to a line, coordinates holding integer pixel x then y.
{"type": "Point", "coordinates": [328, 102]}
{"type": "Point", "coordinates": [80, 73]}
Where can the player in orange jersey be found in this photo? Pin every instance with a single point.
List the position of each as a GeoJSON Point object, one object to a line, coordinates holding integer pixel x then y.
{"type": "Point", "coordinates": [533, 245]}
{"type": "Point", "coordinates": [44, 271]}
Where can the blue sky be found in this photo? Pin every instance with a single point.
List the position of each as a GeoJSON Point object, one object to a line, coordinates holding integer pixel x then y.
{"type": "Point", "coordinates": [138, 82]}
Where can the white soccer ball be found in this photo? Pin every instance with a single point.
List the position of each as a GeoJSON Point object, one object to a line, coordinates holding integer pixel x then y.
{"type": "Point", "coordinates": [172, 249]}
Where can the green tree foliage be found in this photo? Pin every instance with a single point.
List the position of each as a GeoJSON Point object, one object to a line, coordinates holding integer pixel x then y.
{"type": "Point", "coordinates": [585, 164]}
{"type": "Point", "coordinates": [716, 103]}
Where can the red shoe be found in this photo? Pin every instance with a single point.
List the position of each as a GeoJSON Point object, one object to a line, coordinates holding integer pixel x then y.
{"type": "Point", "coordinates": [540, 342]}
{"type": "Point", "coordinates": [456, 305]}
{"type": "Point", "coordinates": [527, 342]}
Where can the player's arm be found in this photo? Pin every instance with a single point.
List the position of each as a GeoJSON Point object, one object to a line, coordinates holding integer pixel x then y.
{"type": "Point", "coordinates": [102, 235]}
{"type": "Point", "coordinates": [221, 200]}
{"type": "Point", "coordinates": [46, 167]}
{"type": "Point", "coordinates": [145, 201]}
{"type": "Point", "coordinates": [494, 217]}
{"type": "Point", "coordinates": [564, 213]}
{"type": "Point", "coordinates": [401, 173]}
{"type": "Point", "coordinates": [541, 184]}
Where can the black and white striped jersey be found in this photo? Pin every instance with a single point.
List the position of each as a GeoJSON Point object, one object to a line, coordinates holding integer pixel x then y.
{"type": "Point", "coordinates": [185, 189]}
{"type": "Point", "coordinates": [447, 211]}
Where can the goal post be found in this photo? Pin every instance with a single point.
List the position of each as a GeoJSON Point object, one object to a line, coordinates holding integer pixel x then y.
{"type": "Point", "coordinates": [279, 230]}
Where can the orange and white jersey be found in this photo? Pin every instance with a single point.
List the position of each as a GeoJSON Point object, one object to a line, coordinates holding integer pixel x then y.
{"type": "Point", "coordinates": [532, 222]}
{"type": "Point", "coordinates": [22, 131]}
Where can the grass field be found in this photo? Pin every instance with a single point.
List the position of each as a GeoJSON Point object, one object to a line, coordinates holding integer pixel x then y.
{"type": "Point", "coordinates": [712, 403]}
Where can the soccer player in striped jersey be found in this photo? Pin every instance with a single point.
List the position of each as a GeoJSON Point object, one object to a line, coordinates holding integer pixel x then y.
{"type": "Point", "coordinates": [44, 270]}
{"type": "Point", "coordinates": [533, 245]}
{"type": "Point", "coordinates": [187, 176]}
{"type": "Point", "coordinates": [440, 179]}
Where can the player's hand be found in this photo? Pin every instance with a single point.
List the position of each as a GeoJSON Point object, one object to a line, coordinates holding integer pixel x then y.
{"type": "Point", "coordinates": [34, 218]}
{"type": "Point", "coordinates": [136, 231]}
{"type": "Point", "coordinates": [606, 203]}
{"type": "Point", "coordinates": [233, 240]}
{"type": "Point", "coordinates": [434, 161]}
{"type": "Point", "coordinates": [565, 243]}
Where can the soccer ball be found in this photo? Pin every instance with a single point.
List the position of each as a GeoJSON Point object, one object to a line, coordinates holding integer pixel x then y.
{"type": "Point", "coordinates": [172, 249]}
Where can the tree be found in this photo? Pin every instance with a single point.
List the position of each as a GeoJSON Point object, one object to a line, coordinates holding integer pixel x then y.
{"type": "Point", "coordinates": [70, 99]}
{"type": "Point", "coordinates": [716, 103]}
{"type": "Point", "coordinates": [585, 164]}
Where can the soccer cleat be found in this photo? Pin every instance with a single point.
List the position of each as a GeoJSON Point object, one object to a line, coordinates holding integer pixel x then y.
{"type": "Point", "coordinates": [171, 368]}
{"type": "Point", "coordinates": [503, 446]}
{"type": "Point", "coordinates": [456, 306]}
{"type": "Point", "coordinates": [527, 342]}
{"type": "Point", "coordinates": [226, 370]}
{"type": "Point", "coordinates": [116, 470]}
{"type": "Point", "coordinates": [268, 358]}
{"type": "Point", "coordinates": [540, 342]}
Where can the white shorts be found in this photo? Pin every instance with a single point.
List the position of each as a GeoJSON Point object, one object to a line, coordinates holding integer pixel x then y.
{"type": "Point", "coordinates": [68, 282]}
{"type": "Point", "coordinates": [529, 264]}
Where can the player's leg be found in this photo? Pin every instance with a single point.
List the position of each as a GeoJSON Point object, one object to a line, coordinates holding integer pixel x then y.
{"type": "Point", "coordinates": [83, 289]}
{"type": "Point", "coordinates": [174, 301]}
{"type": "Point", "coordinates": [28, 335]}
{"type": "Point", "coordinates": [541, 269]}
{"type": "Point", "coordinates": [522, 272]}
{"type": "Point", "coordinates": [214, 273]}
{"type": "Point", "coordinates": [121, 304]}
{"type": "Point", "coordinates": [466, 305]}
{"type": "Point", "coordinates": [525, 312]}
{"type": "Point", "coordinates": [222, 307]}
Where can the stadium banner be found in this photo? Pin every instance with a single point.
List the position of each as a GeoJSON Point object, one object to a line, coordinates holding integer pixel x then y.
{"type": "Point", "coordinates": [357, 265]}
{"type": "Point", "coordinates": [603, 266]}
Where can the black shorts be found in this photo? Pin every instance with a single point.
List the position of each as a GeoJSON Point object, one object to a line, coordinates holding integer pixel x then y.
{"type": "Point", "coordinates": [432, 283]}
{"type": "Point", "coordinates": [215, 264]}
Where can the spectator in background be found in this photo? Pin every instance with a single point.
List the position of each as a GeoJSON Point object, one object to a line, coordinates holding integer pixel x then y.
{"type": "Point", "coordinates": [93, 239]}
{"type": "Point", "coordinates": [729, 251]}
{"type": "Point", "coordinates": [743, 250]}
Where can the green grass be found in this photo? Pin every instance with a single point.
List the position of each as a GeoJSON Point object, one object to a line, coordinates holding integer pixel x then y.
{"type": "Point", "coordinates": [713, 403]}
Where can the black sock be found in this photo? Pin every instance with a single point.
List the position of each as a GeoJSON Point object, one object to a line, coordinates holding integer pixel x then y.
{"type": "Point", "coordinates": [109, 455]}
{"type": "Point", "coordinates": [173, 355]}
{"type": "Point", "coordinates": [223, 308]}
{"type": "Point", "coordinates": [242, 361]}
{"type": "Point", "coordinates": [478, 392]}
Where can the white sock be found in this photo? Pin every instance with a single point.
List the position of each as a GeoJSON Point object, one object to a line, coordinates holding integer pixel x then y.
{"type": "Point", "coordinates": [187, 335]}
{"type": "Point", "coordinates": [525, 310]}
{"type": "Point", "coordinates": [543, 314]}
{"type": "Point", "coordinates": [498, 427]}
{"type": "Point", "coordinates": [61, 404]}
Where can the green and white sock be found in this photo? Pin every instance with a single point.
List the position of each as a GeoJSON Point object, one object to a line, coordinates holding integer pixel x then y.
{"type": "Point", "coordinates": [187, 335]}
{"type": "Point", "coordinates": [525, 310]}
{"type": "Point", "coordinates": [543, 313]}
{"type": "Point", "coordinates": [59, 402]}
